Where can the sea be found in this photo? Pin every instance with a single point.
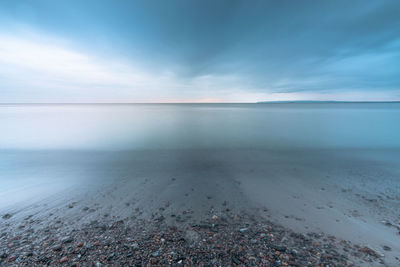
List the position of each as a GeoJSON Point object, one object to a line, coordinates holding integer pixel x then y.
{"type": "Point", "coordinates": [47, 147]}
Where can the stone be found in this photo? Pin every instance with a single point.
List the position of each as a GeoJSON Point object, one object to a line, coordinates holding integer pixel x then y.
{"type": "Point", "coordinates": [67, 240]}
{"type": "Point", "coordinates": [6, 216]}
{"type": "Point", "coordinates": [12, 258]}
{"type": "Point", "coordinates": [369, 251]}
{"type": "Point", "coordinates": [64, 259]}
{"type": "Point", "coordinates": [111, 256]}
{"type": "Point", "coordinates": [135, 246]}
{"type": "Point", "coordinates": [57, 248]}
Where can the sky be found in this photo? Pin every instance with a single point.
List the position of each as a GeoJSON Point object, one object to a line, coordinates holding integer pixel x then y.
{"type": "Point", "coordinates": [110, 51]}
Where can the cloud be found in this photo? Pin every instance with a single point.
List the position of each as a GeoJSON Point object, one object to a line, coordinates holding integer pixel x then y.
{"type": "Point", "coordinates": [140, 51]}
{"type": "Point", "coordinates": [44, 69]}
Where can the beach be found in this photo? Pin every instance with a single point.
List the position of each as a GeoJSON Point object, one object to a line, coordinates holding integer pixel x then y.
{"type": "Point", "coordinates": [333, 207]}
{"type": "Point", "coordinates": [199, 133]}
{"type": "Point", "coordinates": [200, 184]}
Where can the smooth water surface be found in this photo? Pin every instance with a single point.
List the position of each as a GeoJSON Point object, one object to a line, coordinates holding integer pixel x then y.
{"type": "Point", "coordinates": [180, 126]}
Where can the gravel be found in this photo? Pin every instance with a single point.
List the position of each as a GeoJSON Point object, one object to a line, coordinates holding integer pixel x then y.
{"type": "Point", "coordinates": [229, 240]}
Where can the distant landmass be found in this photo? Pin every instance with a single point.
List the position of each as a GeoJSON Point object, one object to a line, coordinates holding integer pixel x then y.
{"type": "Point", "coordinates": [329, 101]}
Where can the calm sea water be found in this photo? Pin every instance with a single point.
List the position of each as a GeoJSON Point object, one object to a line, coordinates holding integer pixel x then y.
{"type": "Point", "coordinates": [177, 126]}
{"type": "Point", "coordinates": [45, 149]}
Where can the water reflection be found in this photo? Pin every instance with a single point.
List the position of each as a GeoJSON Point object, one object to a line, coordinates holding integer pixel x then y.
{"type": "Point", "coordinates": [169, 126]}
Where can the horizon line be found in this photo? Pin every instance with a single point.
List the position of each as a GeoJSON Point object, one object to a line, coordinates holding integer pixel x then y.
{"type": "Point", "coordinates": [147, 103]}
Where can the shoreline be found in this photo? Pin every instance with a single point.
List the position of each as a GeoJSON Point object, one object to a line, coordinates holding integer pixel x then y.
{"type": "Point", "coordinates": [300, 193]}
{"type": "Point", "coordinates": [238, 240]}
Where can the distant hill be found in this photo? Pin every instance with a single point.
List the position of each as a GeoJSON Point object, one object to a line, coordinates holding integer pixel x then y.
{"type": "Point", "coordinates": [322, 102]}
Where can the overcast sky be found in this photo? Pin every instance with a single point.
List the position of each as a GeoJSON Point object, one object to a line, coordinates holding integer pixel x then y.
{"type": "Point", "coordinates": [198, 51]}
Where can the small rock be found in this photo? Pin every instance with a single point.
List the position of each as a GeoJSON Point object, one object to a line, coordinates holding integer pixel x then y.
{"type": "Point", "coordinates": [135, 246]}
{"type": "Point", "coordinates": [236, 261]}
{"type": "Point", "coordinates": [12, 258]}
{"type": "Point", "coordinates": [67, 240]}
{"type": "Point", "coordinates": [155, 254]}
{"type": "Point", "coordinates": [279, 248]}
{"type": "Point", "coordinates": [111, 256]}
{"type": "Point", "coordinates": [64, 259]}
{"type": "Point", "coordinates": [80, 244]}
{"type": "Point", "coordinates": [242, 230]}
{"type": "Point", "coordinates": [57, 248]}
{"type": "Point", "coordinates": [369, 251]}
{"type": "Point", "coordinates": [387, 223]}
{"type": "Point", "coordinates": [387, 248]}
{"type": "Point", "coordinates": [6, 216]}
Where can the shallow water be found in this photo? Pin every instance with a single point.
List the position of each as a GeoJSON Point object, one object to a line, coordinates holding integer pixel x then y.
{"type": "Point", "coordinates": [314, 167]}
{"type": "Point", "coordinates": [37, 141]}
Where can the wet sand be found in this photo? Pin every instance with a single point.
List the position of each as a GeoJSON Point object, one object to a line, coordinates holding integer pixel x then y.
{"type": "Point", "coordinates": [347, 199]}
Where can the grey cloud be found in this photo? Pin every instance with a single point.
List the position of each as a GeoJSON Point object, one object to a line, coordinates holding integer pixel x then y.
{"type": "Point", "coordinates": [283, 46]}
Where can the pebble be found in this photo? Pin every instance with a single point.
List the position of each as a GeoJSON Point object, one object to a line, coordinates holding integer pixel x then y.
{"type": "Point", "coordinates": [67, 240]}
{"type": "Point", "coordinates": [12, 258]}
{"type": "Point", "coordinates": [6, 216]}
{"type": "Point", "coordinates": [369, 251]}
{"type": "Point", "coordinates": [135, 246]}
{"type": "Point", "coordinates": [57, 248]}
{"type": "Point", "coordinates": [64, 259]}
{"type": "Point", "coordinates": [144, 243]}
{"type": "Point", "coordinates": [111, 256]}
